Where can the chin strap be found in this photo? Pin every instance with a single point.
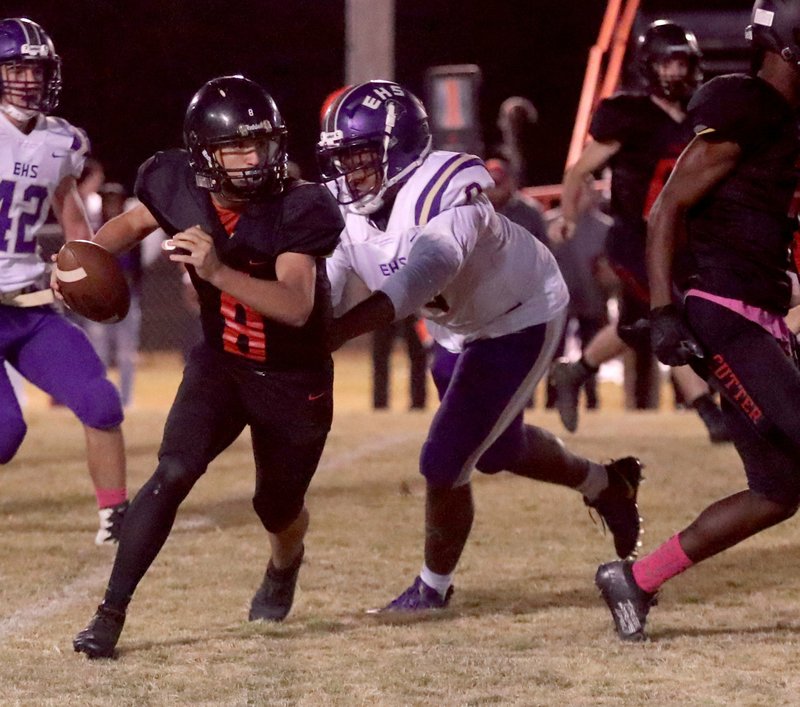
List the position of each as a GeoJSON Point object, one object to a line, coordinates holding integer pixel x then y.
{"type": "Point", "coordinates": [376, 202]}
{"type": "Point", "coordinates": [22, 115]}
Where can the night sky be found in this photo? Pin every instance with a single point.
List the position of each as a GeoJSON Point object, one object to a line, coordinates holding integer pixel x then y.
{"type": "Point", "coordinates": [131, 66]}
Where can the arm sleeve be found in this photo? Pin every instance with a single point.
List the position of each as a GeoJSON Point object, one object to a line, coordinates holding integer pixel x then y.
{"type": "Point", "coordinates": [338, 269]}
{"type": "Point", "coordinates": [436, 255]}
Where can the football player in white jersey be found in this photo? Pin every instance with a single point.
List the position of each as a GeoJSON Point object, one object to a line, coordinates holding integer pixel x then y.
{"type": "Point", "coordinates": [421, 235]}
{"type": "Point", "coordinates": [40, 158]}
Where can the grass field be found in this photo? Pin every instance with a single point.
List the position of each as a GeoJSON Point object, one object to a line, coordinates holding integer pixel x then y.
{"type": "Point", "coordinates": [525, 627]}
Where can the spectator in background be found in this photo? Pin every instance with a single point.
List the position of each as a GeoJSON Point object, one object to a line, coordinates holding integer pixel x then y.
{"type": "Point", "coordinates": [89, 184]}
{"type": "Point", "coordinates": [516, 118]}
{"type": "Point", "coordinates": [589, 279]}
{"type": "Point", "coordinates": [119, 342]}
{"type": "Point", "coordinates": [382, 341]}
{"type": "Point", "coordinates": [508, 200]}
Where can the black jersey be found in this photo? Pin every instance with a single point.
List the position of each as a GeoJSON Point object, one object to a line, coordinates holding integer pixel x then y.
{"type": "Point", "coordinates": [650, 143]}
{"type": "Point", "coordinates": [740, 233]}
{"type": "Point", "coordinates": [304, 218]}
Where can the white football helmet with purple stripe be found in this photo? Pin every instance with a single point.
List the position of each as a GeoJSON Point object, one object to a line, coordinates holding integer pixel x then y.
{"type": "Point", "coordinates": [374, 135]}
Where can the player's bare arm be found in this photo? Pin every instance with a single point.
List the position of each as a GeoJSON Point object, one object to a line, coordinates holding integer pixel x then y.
{"type": "Point", "coordinates": [594, 156]}
{"type": "Point", "coordinates": [702, 165]}
{"type": "Point", "coordinates": [70, 211]}
{"type": "Point", "coordinates": [71, 214]}
{"type": "Point", "coordinates": [375, 312]}
{"type": "Point", "coordinates": [124, 231]}
{"type": "Point", "coordinates": [289, 299]}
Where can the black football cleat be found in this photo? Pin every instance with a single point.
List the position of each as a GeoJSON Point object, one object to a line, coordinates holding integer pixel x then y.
{"type": "Point", "coordinates": [616, 504]}
{"type": "Point", "coordinates": [273, 599]}
{"type": "Point", "coordinates": [99, 638]}
{"type": "Point", "coordinates": [629, 603]}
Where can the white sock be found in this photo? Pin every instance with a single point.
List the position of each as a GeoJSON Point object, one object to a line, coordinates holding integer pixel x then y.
{"type": "Point", "coordinates": [595, 483]}
{"type": "Point", "coordinates": [440, 582]}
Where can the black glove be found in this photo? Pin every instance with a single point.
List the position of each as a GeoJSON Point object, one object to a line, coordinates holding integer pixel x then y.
{"type": "Point", "coordinates": [673, 343]}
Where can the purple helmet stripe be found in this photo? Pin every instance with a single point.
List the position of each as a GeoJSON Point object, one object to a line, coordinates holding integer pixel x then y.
{"type": "Point", "coordinates": [333, 116]}
{"type": "Point", "coordinates": [430, 199]}
{"type": "Point", "coordinates": [30, 31]}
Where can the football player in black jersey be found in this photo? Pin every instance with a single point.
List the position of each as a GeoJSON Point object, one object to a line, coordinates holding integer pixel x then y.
{"type": "Point", "coordinates": [639, 136]}
{"type": "Point", "coordinates": [727, 202]}
{"type": "Point", "coordinates": [253, 241]}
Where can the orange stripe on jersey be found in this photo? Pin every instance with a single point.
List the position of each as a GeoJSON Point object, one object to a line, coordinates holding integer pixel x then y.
{"type": "Point", "coordinates": [243, 339]}
{"type": "Point", "coordinates": [227, 217]}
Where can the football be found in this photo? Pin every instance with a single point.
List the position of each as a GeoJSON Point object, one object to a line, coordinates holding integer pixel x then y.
{"type": "Point", "coordinates": [92, 282]}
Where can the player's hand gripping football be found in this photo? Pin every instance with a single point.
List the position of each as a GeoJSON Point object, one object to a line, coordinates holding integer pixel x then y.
{"type": "Point", "coordinates": [673, 343]}
{"type": "Point", "coordinates": [194, 247]}
{"type": "Point", "coordinates": [55, 285]}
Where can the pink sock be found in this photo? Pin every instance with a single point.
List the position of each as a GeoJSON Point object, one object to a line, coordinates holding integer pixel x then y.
{"type": "Point", "coordinates": [110, 497]}
{"type": "Point", "coordinates": [660, 565]}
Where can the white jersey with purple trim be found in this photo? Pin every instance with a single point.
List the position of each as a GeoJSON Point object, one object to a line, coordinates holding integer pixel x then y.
{"type": "Point", "coordinates": [474, 274]}
{"type": "Point", "coordinates": [31, 168]}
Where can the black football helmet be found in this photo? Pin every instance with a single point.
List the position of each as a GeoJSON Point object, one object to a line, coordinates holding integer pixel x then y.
{"type": "Point", "coordinates": [664, 40]}
{"type": "Point", "coordinates": [24, 44]}
{"type": "Point", "coordinates": [227, 111]}
{"type": "Point", "coordinates": [775, 27]}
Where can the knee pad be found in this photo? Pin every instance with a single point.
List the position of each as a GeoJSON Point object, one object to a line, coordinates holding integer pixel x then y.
{"type": "Point", "coordinates": [500, 456]}
{"type": "Point", "coordinates": [275, 511]}
{"type": "Point", "coordinates": [99, 405]}
{"type": "Point", "coordinates": [440, 466]}
{"type": "Point", "coordinates": [13, 432]}
{"type": "Point", "coordinates": [174, 478]}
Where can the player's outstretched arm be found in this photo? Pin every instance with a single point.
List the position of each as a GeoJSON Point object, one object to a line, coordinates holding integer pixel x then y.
{"type": "Point", "coordinates": [594, 156]}
{"type": "Point", "coordinates": [70, 211]}
{"type": "Point", "coordinates": [375, 312]}
{"type": "Point", "coordinates": [124, 231]}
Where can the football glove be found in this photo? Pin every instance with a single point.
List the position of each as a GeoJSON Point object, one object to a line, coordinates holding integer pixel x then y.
{"type": "Point", "coordinates": [673, 343]}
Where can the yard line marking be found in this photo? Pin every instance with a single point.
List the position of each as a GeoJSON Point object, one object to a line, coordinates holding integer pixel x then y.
{"type": "Point", "coordinates": [70, 594]}
{"type": "Point", "coordinates": [77, 591]}
{"type": "Point", "coordinates": [379, 444]}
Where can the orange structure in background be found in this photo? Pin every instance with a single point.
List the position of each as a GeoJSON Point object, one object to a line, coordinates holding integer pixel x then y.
{"type": "Point", "coordinates": [600, 80]}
